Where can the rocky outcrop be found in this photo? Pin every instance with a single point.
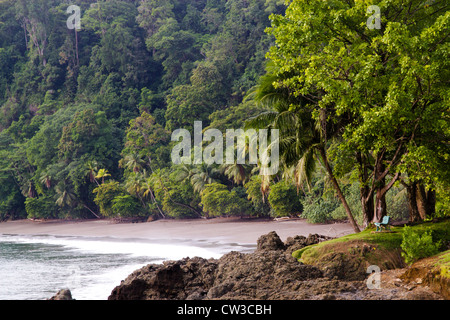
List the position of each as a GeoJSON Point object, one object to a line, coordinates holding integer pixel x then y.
{"type": "Point", "coordinates": [63, 294]}
{"type": "Point", "coordinates": [268, 273]}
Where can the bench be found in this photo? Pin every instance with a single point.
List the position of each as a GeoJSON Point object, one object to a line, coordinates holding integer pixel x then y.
{"type": "Point", "coordinates": [383, 224]}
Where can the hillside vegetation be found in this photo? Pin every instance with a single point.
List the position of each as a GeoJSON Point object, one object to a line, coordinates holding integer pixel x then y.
{"type": "Point", "coordinates": [356, 118]}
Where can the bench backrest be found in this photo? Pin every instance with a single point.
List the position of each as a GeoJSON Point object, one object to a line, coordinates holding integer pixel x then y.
{"type": "Point", "coordinates": [385, 220]}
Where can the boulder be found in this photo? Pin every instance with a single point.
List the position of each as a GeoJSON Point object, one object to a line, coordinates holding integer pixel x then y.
{"type": "Point", "coordinates": [63, 294]}
{"type": "Point", "coordinates": [270, 241]}
{"type": "Point", "coordinates": [268, 272]}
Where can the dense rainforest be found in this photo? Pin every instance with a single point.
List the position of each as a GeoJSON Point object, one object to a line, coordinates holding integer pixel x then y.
{"type": "Point", "coordinates": [87, 113]}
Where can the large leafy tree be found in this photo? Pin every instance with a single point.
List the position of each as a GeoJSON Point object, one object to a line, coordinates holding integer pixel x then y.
{"type": "Point", "coordinates": [391, 83]}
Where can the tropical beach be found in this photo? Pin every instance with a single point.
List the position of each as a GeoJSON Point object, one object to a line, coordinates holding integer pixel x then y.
{"type": "Point", "coordinates": [234, 230]}
{"type": "Point", "coordinates": [92, 257]}
{"type": "Point", "coordinates": [224, 149]}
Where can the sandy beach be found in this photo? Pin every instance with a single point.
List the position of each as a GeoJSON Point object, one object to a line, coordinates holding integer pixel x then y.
{"type": "Point", "coordinates": [221, 229]}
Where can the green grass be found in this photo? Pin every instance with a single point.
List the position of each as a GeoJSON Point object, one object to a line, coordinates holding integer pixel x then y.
{"type": "Point", "coordinates": [444, 264]}
{"type": "Point", "coordinates": [384, 240]}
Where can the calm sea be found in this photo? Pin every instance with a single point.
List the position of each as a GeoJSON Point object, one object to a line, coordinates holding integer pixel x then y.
{"type": "Point", "coordinates": [36, 267]}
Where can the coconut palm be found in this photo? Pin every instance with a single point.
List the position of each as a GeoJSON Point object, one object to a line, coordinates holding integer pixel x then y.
{"type": "Point", "coordinates": [133, 162]}
{"type": "Point", "coordinates": [135, 185]}
{"type": "Point", "coordinates": [46, 180]}
{"type": "Point", "coordinates": [64, 195]}
{"type": "Point", "coordinates": [102, 174]}
{"type": "Point", "coordinates": [303, 139]}
{"type": "Point", "coordinates": [28, 189]}
{"type": "Point", "coordinates": [91, 168]}
{"type": "Point", "coordinates": [238, 173]}
{"type": "Point", "coordinates": [203, 175]}
{"type": "Point", "coordinates": [183, 172]}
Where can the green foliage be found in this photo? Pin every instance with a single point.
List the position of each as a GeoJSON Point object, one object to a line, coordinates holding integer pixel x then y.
{"type": "Point", "coordinates": [80, 107]}
{"type": "Point", "coordinates": [284, 200]}
{"type": "Point", "coordinates": [126, 206]}
{"type": "Point", "coordinates": [106, 193]}
{"type": "Point", "coordinates": [417, 245]}
{"type": "Point", "coordinates": [319, 210]}
{"type": "Point", "coordinates": [443, 203]}
{"type": "Point", "coordinates": [217, 200]}
{"type": "Point", "coordinates": [374, 79]}
{"type": "Point", "coordinates": [146, 143]}
{"type": "Point", "coordinates": [254, 194]}
{"type": "Point", "coordinates": [43, 207]}
{"type": "Point", "coordinates": [352, 194]}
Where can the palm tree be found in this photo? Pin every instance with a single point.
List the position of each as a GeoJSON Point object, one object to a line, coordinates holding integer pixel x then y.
{"type": "Point", "coordinates": [238, 173]}
{"type": "Point", "coordinates": [153, 180]}
{"type": "Point", "coordinates": [64, 195]}
{"type": "Point", "coordinates": [102, 174]}
{"type": "Point", "coordinates": [184, 172]}
{"type": "Point", "coordinates": [91, 168]}
{"type": "Point", "coordinates": [46, 180]}
{"type": "Point", "coordinates": [133, 162]}
{"type": "Point", "coordinates": [203, 175]}
{"type": "Point", "coordinates": [302, 139]}
{"type": "Point", "coordinates": [135, 185]}
{"type": "Point", "coordinates": [28, 189]}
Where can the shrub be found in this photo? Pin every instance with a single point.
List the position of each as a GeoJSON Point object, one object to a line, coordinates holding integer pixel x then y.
{"type": "Point", "coordinates": [43, 207]}
{"type": "Point", "coordinates": [319, 210]}
{"type": "Point", "coordinates": [218, 201]}
{"type": "Point", "coordinates": [416, 245]}
{"type": "Point", "coordinates": [180, 201]}
{"type": "Point", "coordinates": [284, 200]}
{"type": "Point", "coordinates": [126, 206]}
{"type": "Point", "coordinates": [105, 194]}
{"type": "Point", "coordinates": [253, 190]}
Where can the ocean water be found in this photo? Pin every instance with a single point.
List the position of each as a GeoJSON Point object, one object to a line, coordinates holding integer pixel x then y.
{"type": "Point", "coordinates": [36, 267]}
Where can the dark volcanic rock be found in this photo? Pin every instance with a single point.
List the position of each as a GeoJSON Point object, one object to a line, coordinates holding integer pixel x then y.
{"type": "Point", "coordinates": [183, 279]}
{"type": "Point", "coordinates": [298, 242]}
{"type": "Point", "coordinates": [269, 272]}
{"type": "Point", "coordinates": [63, 294]}
{"type": "Point", "coordinates": [270, 241]}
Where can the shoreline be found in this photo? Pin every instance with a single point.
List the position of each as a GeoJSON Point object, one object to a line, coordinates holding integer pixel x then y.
{"type": "Point", "coordinates": [223, 230]}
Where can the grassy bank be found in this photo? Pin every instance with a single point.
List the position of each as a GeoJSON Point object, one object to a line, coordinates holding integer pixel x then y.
{"type": "Point", "coordinates": [349, 256]}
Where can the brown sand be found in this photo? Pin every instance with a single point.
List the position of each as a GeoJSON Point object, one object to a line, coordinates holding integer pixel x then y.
{"type": "Point", "coordinates": [220, 229]}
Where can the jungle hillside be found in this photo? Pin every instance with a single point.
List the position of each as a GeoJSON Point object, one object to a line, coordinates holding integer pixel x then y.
{"type": "Point", "coordinates": [87, 113]}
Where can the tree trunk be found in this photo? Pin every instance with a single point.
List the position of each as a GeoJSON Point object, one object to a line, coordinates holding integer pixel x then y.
{"type": "Point", "coordinates": [431, 203]}
{"type": "Point", "coordinates": [380, 205]}
{"type": "Point", "coordinates": [426, 201]}
{"type": "Point", "coordinates": [338, 190]}
{"type": "Point", "coordinates": [366, 194]}
{"type": "Point", "coordinates": [380, 199]}
{"type": "Point", "coordinates": [76, 47]}
{"type": "Point", "coordinates": [381, 189]}
{"type": "Point", "coordinates": [91, 211]}
{"type": "Point", "coordinates": [414, 215]}
{"type": "Point", "coordinates": [367, 205]}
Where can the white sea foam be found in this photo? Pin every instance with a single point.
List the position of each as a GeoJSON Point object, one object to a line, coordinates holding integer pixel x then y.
{"type": "Point", "coordinates": [155, 250]}
{"type": "Point", "coordinates": [38, 266]}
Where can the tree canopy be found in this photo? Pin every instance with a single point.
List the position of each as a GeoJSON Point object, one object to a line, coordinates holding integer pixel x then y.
{"type": "Point", "coordinates": [86, 114]}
